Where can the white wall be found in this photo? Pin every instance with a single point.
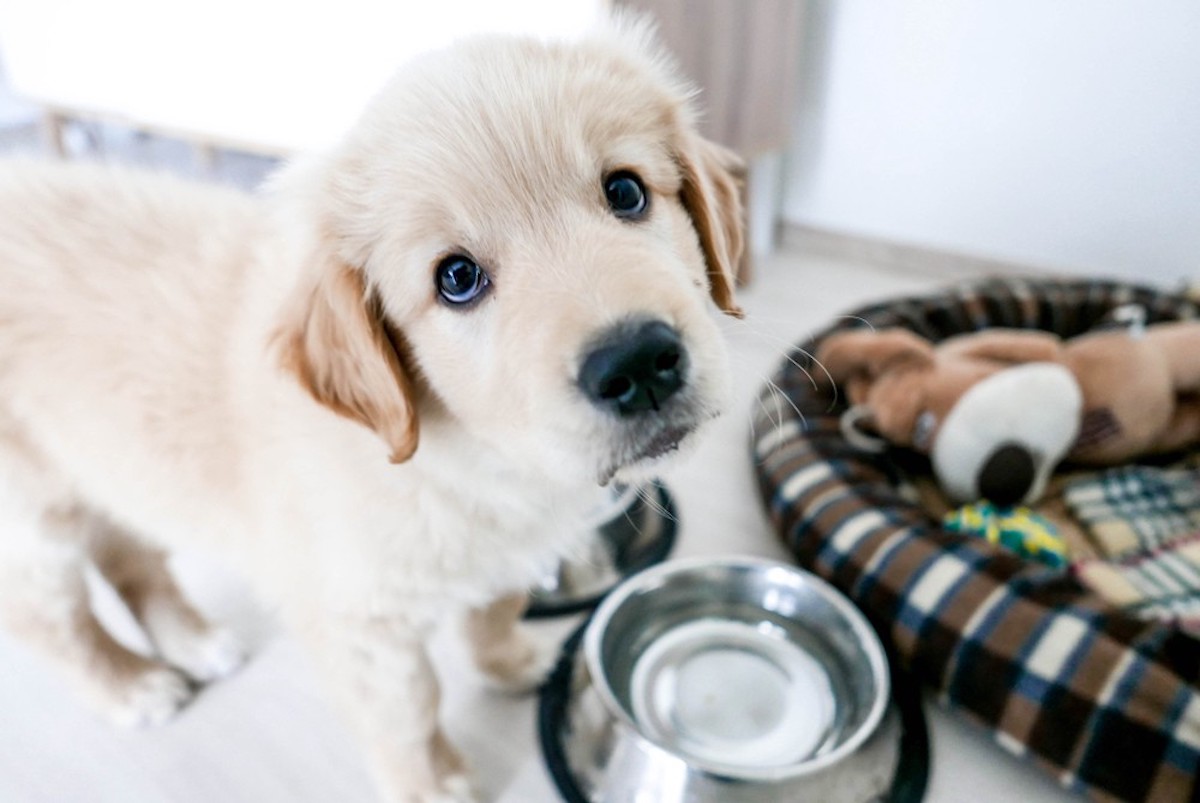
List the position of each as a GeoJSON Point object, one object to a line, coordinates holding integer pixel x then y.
{"type": "Point", "coordinates": [274, 75]}
{"type": "Point", "coordinates": [1061, 133]}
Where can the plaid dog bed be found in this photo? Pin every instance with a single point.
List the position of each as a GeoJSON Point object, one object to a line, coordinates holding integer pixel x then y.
{"type": "Point", "coordinates": [1105, 701]}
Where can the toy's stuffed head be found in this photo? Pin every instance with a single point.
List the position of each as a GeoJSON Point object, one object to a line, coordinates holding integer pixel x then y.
{"type": "Point", "coordinates": [995, 411]}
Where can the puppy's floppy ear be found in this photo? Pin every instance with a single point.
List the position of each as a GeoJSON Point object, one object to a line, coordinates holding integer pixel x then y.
{"type": "Point", "coordinates": [712, 195]}
{"type": "Point", "coordinates": [856, 358]}
{"type": "Point", "coordinates": [340, 348]}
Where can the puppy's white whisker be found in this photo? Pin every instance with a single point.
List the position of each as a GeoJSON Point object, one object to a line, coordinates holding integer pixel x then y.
{"type": "Point", "coordinates": [778, 420]}
{"type": "Point", "coordinates": [785, 352]}
{"type": "Point", "coordinates": [858, 318]}
{"type": "Point", "coordinates": [649, 496]}
{"type": "Point", "coordinates": [828, 376]}
{"type": "Point", "coordinates": [786, 356]}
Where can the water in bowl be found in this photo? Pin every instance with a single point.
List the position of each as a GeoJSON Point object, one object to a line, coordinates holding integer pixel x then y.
{"type": "Point", "coordinates": [734, 693]}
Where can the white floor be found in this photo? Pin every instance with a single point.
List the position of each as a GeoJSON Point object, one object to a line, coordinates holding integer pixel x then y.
{"type": "Point", "coordinates": [267, 734]}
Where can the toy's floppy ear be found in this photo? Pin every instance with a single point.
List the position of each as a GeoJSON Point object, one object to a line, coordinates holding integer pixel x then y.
{"type": "Point", "coordinates": [1012, 346]}
{"type": "Point", "coordinates": [856, 359]}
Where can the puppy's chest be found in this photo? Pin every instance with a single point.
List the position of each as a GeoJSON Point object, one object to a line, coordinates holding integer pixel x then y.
{"type": "Point", "coordinates": [464, 543]}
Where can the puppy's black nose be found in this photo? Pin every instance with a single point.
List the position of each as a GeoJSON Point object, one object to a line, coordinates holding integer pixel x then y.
{"type": "Point", "coordinates": [635, 367]}
{"type": "Point", "coordinates": [1007, 475]}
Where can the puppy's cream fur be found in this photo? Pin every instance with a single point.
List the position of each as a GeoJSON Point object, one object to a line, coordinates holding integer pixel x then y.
{"type": "Point", "coordinates": [277, 379]}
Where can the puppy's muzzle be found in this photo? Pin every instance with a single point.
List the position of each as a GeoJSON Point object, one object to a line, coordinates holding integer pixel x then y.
{"type": "Point", "coordinates": [634, 368]}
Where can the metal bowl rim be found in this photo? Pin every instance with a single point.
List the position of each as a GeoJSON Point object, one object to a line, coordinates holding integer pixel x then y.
{"type": "Point", "coordinates": [648, 579]}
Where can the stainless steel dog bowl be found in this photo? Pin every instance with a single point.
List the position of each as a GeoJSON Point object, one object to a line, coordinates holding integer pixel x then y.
{"type": "Point", "coordinates": [729, 681]}
{"type": "Point", "coordinates": [630, 528]}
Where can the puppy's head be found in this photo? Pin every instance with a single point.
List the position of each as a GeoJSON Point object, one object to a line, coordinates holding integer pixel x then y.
{"type": "Point", "coordinates": [530, 238]}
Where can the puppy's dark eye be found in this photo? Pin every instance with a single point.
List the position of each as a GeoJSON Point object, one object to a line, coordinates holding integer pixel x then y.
{"type": "Point", "coordinates": [626, 195]}
{"type": "Point", "coordinates": [460, 280]}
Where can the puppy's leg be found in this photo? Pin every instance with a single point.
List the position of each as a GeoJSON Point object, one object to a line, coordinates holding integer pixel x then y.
{"type": "Point", "coordinates": [180, 635]}
{"type": "Point", "coordinates": [503, 650]}
{"type": "Point", "coordinates": [44, 602]}
{"type": "Point", "coordinates": [381, 675]}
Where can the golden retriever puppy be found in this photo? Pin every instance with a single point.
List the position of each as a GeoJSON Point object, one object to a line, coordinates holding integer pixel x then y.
{"type": "Point", "coordinates": [384, 392]}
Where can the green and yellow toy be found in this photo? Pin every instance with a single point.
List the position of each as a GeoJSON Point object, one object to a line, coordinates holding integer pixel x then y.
{"type": "Point", "coordinates": [1016, 528]}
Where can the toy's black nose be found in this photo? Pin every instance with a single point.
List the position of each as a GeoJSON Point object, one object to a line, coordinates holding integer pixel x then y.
{"type": "Point", "coordinates": [635, 367]}
{"type": "Point", "coordinates": [1007, 475]}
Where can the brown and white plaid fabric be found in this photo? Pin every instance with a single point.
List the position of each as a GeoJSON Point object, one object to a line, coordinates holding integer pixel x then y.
{"type": "Point", "coordinates": [1106, 702]}
{"type": "Point", "coordinates": [1144, 526]}
{"type": "Point", "coordinates": [1136, 509]}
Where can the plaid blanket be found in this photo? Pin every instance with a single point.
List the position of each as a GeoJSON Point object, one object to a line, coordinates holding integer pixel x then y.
{"type": "Point", "coordinates": [1136, 509]}
{"type": "Point", "coordinates": [1106, 702]}
{"type": "Point", "coordinates": [1144, 522]}
{"type": "Point", "coordinates": [1159, 584]}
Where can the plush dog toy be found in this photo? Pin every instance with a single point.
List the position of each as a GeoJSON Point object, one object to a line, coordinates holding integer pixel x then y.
{"type": "Point", "coordinates": [997, 410]}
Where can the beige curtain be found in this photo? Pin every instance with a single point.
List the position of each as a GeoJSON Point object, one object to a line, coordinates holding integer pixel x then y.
{"type": "Point", "coordinates": [744, 55]}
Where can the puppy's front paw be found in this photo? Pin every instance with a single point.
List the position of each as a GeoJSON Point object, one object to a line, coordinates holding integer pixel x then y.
{"type": "Point", "coordinates": [150, 698]}
{"type": "Point", "coordinates": [215, 654]}
{"type": "Point", "coordinates": [455, 789]}
{"type": "Point", "coordinates": [519, 665]}
{"type": "Point", "coordinates": [451, 789]}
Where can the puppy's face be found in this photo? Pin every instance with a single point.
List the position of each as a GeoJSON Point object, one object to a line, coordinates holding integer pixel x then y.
{"type": "Point", "coordinates": [538, 236]}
